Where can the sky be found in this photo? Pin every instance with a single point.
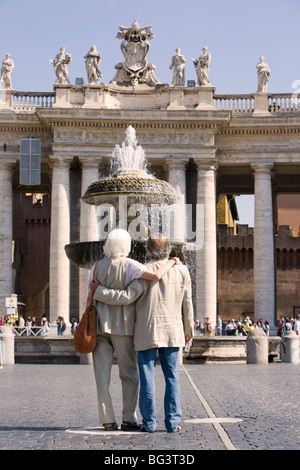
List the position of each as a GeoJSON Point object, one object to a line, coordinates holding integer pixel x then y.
{"type": "Point", "coordinates": [236, 32]}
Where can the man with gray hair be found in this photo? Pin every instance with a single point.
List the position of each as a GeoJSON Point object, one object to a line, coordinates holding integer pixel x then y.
{"type": "Point", "coordinates": [164, 322]}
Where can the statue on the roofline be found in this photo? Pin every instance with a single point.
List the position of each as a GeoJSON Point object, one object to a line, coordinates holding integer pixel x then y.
{"type": "Point", "coordinates": [60, 63]}
{"type": "Point", "coordinates": [6, 72]}
{"type": "Point", "coordinates": [202, 67]}
{"type": "Point", "coordinates": [263, 75]}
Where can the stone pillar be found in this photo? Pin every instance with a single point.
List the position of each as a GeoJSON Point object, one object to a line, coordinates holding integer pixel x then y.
{"type": "Point", "coordinates": [289, 347]}
{"type": "Point", "coordinates": [6, 98]}
{"type": "Point", "coordinates": [92, 96]}
{"type": "Point", "coordinates": [88, 222]}
{"type": "Point", "coordinates": [264, 256]}
{"type": "Point", "coordinates": [206, 256]}
{"type": "Point", "coordinates": [261, 104]}
{"type": "Point", "coordinates": [176, 167]}
{"type": "Point", "coordinates": [257, 350]}
{"type": "Point", "coordinates": [60, 236]}
{"type": "Point", "coordinates": [176, 98]}
{"type": "Point", "coordinates": [205, 97]}
{"type": "Point", "coordinates": [6, 227]}
{"type": "Point", "coordinates": [62, 96]}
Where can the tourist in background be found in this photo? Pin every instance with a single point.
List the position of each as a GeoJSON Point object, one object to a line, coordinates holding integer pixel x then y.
{"type": "Point", "coordinates": [28, 326]}
{"type": "Point", "coordinates": [74, 324]}
{"type": "Point", "coordinates": [260, 324]}
{"type": "Point", "coordinates": [231, 328]}
{"type": "Point", "coordinates": [21, 325]}
{"type": "Point", "coordinates": [45, 325]}
{"type": "Point", "coordinates": [240, 329]}
{"type": "Point", "coordinates": [208, 330]}
{"type": "Point", "coordinates": [33, 326]}
{"type": "Point", "coordinates": [297, 325]}
{"type": "Point", "coordinates": [61, 326]}
{"type": "Point", "coordinates": [219, 326]}
{"type": "Point", "coordinates": [267, 327]}
{"type": "Point", "coordinates": [280, 328]}
{"type": "Point", "coordinates": [248, 325]}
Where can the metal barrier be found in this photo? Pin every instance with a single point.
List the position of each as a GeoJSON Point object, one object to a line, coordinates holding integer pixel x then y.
{"type": "Point", "coordinates": [30, 330]}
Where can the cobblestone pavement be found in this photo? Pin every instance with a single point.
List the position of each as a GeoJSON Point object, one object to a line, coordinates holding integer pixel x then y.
{"type": "Point", "coordinates": [225, 407]}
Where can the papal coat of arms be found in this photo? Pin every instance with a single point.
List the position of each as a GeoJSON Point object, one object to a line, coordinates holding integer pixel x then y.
{"type": "Point", "coordinates": [135, 68]}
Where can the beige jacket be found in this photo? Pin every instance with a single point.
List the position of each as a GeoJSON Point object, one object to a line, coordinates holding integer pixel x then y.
{"type": "Point", "coordinates": [114, 319]}
{"type": "Point", "coordinates": [164, 310]}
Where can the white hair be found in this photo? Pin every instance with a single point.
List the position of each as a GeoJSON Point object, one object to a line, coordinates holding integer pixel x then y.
{"type": "Point", "coordinates": [118, 243]}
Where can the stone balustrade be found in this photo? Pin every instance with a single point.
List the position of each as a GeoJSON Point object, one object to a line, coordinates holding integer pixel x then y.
{"type": "Point", "coordinates": [170, 98]}
{"type": "Point", "coordinates": [23, 100]}
{"type": "Point", "coordinates": [234, 103]}
{"type": "Point", "coordinates": [284, 103]}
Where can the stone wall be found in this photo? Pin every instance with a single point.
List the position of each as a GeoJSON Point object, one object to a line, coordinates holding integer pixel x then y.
{"type": "Point", "coordinates": [235, 271]}
{"type": "Point", "coordinates": [31, 254]}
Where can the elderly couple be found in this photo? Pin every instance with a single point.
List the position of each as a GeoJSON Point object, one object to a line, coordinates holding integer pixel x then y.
{"type": "Point", "coordinates": [141, 310]}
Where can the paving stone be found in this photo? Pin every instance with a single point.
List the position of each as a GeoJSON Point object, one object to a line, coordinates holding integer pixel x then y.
{"type": "Point", "coordinates": [41, 404]}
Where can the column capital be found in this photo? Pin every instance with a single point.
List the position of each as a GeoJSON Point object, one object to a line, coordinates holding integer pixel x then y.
{"type": "Point", "coordinates": [208, 165]}
{"type": "Point", "coordinates": [176, 162]}
{"type": "Point", "coordinates": [60, 161]}
{"type": "Point", "coordinates": [90, 162]}
{"type": "Point", "coordinates": [7, 164]}
{"type": "Point", "coordinates": [262, 167]}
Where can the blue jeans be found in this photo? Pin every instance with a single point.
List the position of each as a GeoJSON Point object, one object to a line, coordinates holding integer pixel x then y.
{"type": "Point", "coordinates": [169, 360]}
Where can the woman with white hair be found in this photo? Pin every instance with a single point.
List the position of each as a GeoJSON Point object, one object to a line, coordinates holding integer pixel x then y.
{"type": "Point", "coordinates": [115, 328]}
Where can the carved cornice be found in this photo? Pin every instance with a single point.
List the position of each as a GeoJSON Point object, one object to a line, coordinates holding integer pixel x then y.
{"type": "Point", "coordinates": [137, 125]}
{"type": "Point", "coordinates": [259, 130]}
{"type": "Point", "coordinates": [15, 127]}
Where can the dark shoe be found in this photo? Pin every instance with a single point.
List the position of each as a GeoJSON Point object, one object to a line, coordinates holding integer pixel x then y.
{"type": "Point", "coordinates": [177, 429]}
{"type": "Point", "coordinates": [143, 429]}
{"type": "Point", "coordinates": [127, 426]}
{"type": "Point", "coordinates": [110, 426]}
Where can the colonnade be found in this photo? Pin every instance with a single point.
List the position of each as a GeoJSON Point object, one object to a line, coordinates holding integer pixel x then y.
{"type": "Point", "coordinates": [206, 255]}
{"type": "Point", "coordinates": [206, 252]}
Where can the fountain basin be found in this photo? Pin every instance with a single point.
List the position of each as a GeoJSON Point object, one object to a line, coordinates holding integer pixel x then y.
{"type": "Point", "coordinates": [138, 189]}
{"type": "Point", "coordinates": [85, 254]}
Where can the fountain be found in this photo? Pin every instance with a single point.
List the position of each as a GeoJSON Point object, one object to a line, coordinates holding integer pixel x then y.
{"type": "Point", "coordinates": [129, 183]}
{"type": "Point", "coordinates": [130, 177]}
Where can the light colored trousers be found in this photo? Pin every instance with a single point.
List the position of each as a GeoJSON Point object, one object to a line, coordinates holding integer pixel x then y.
{"type": "Point", "coordinates": [103, 355]}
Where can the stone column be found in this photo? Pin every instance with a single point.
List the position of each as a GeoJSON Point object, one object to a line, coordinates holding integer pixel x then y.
{"type": "Point", "coordinates": [88, 222]}
{"type": "Point", "coordinates": [176, 167]}
{"type": "Point", "coordinates": [60, 236]}
{"type": "Point", "coordinates": [206, 255]}
{"type": "Point", "coordinates": [264, 262]}
{"type": "Point", "coordinates": [6, 227]}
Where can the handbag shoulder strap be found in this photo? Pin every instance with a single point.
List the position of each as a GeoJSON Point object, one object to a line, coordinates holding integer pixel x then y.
{"type": "Point", "coordinates": [95, 267]}
{"type": "Point", "coordinates": [90, 300]}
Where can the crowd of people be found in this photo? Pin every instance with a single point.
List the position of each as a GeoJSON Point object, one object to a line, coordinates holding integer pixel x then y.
{"type": "Point", "coordinates": [232, 327]}
{"type": "Point", "coordinates": [287, 323]}
{"type": "Point", "coordinates": [27, 326]}
{"type": "Point", "coordinates": [241, 327]}
{"type": "Point", "coordinates": [31, 325]}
